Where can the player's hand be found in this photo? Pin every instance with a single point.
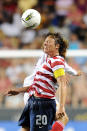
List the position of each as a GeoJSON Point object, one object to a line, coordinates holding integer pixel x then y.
{"type": "Point", "coordinates": [79, 73]}
{"type": "Point", "coordinates": [60, 113]}
{"type": "Point", "coordinates": [12, 92]}
{"type": "Point", "coordinates": [64, 120]}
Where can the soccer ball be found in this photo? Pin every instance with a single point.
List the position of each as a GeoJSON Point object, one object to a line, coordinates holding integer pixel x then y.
{"type": "Point", "coordinates": [31, 18]}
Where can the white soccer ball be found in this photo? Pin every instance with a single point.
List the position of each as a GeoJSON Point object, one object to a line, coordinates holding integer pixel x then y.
{"type": "Point", "coordinates": [31, 18]}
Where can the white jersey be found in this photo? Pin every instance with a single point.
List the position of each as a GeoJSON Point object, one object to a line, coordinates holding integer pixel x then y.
{"type": "Point", "coordinates": [45, 83]}
{"type": "Point", "coordinates": [29, 80]}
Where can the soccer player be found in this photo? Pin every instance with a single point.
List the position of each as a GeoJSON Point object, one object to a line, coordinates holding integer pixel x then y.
{"type": "Point", "coordinates": [61, 122]}
{"type": "Point", "coordinates": [41, 108]}
{"type": "Point", "coordinates": [28, 81]}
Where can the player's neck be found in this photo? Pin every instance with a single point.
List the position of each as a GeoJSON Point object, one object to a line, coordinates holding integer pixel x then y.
{"type": "Point", "coordinates": [53, 54]}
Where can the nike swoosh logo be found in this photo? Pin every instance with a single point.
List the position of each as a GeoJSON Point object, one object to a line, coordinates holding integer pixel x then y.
{"type": "Point", "coordinates": [40, 126]}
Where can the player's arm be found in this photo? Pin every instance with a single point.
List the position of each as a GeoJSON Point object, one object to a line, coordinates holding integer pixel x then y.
{"type": "Point", "coordinates": [61, 92]}
{"type": "Point", "coordinates": [27, 83]}
{"type": "Point", "coordinates": [62, 95]}
{"type": "Point", "coordinates": [60, 123]}
{"type": "Point", "coordinates": [64, 120]}
{"type": "Point", "coordinates": [16, 91]}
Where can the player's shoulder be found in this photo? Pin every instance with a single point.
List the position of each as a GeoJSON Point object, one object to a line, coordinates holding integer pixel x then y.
{"type": "Point", "coordinates": [57, 58]}
{"type": "Point", "coordinates": [27, 79]}
{"type": "Point", "coordinates": [42, 58]}
{"type": "Point", "coordinates": [43, 55]}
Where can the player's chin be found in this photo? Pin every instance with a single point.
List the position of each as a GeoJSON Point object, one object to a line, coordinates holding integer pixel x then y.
{"type": "Point", "coordinates": [45, 50]}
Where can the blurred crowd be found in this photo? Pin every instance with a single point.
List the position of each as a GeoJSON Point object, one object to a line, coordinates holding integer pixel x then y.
{"type": "Point", "coordinates": [69, 17]}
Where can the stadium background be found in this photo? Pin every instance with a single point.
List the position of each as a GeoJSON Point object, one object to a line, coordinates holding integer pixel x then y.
{"type": "Point", "coordinates": [66, 16]}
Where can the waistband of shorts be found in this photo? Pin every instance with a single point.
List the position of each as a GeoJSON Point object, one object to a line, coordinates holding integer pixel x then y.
{"type": "Point", "coordinates": [43, 99]}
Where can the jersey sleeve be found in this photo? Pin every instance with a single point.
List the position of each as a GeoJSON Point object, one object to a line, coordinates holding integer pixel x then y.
{"type": "Point", "coordinates": [28, 81]}
{"type": "Point", "coordinates": [57, 66]}
{"type": "Point", "coordinates": [70, 70]}
{"type": "Point", "coordinates": [40, 61]}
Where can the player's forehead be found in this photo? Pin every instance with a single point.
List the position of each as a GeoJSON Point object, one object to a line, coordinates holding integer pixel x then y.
{"type": "Point", "coordinates": [49, 38]}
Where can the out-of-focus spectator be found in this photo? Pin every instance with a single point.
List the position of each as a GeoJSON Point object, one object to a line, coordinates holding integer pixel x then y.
{"type": "Point", "coordinates": [62, 9]}
{"type": "Point", "coordinates": [82, 31]}
{"type": "Point", "coordinates": [3, 14]}
{"type": "Point", "coordinates": [63, 29]}
{"type": "Point", "coordinates": [2, 36]}
{"type": "Point", "coordinates": [84, 67]}
{"type": "Point", "coordinates": [85, 17]}
{"type": "Point", "coordinates": [9, 43]}
{"type": "Point", "coordinates": [6, 43]}
{"type": "Point", "coordinates": [4, 63]}
{"type": "Point", "coordinates": [14, 102]}
{"type": "Point", "coordinates": [14, 28]}
{"type": "Point", "coordinates": [28, 66]}
{"type": "Point", "coordinates": [37, 43]}
{"type": "Point", "coordinates": [74, 43]}
{"type": "Point", "coordinates": [5, 84]}
{"type": "Point", "coordinates": [10, 5]}
{"type": "Point", "coordinates": [47, 22]}
{"type": "Point", "coordinates": [17, 19]}
{"type": "Point", "coordinates": [80, 60]}
{"type": "Point", "coordinates": [47, 3]}
{"type": "Point", "coordinates": [66, 10]}
{"type": "Point", "coordinates": [13, 71]}
{"type": "Point", "coordinates": [27, 37]}
{"type": "Point", "coordinates": [79, 92]}
{"type": "Point", "coordinates": [15, 42]}
{"type": "Point", "coordinates": [81, 4]}
{"type": "Point", "coordinates": [77, 87]}
{"type": "Point", "coordinates": [10, 30]}
{"type": "Point", "coordinates": [72, 17]}
{"type": "Point", "coordinates": [28, 4]}
{"type": "Point", "coordinates": [73, 63]}
{"type": "Point", "coordinates": [17, 67]}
